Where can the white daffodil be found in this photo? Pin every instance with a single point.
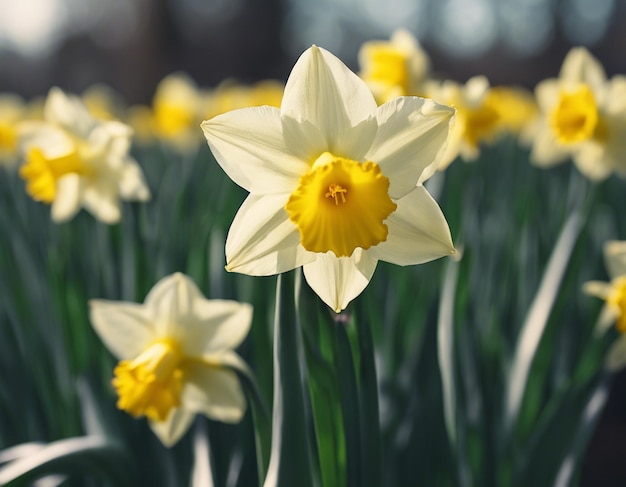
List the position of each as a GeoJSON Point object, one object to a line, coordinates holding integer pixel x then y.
{"type": "Point", "coordinates": [74, 161]}
{"type": "Point", "coordinates": [583, 117]}
{"type": "Point", "coordinates": [476, 122]}
{"type": "Point", "coordinates": [176, 355]}
{"type": "Point", "coordinates": [334, 180]}
{"type": "Point", "coordinates": [397, 67]}
{"type": "Point", "coordinates": [614, 294]}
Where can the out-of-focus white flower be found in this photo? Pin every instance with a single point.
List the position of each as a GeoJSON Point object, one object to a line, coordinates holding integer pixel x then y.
{"type": "Point", "coordinates": [397, 67]}
{"type": "Point", "coordinates": [476, 121]}
{"type": "Point", "coordinates": [74, 161]}
{"type": "Point", "coordinates": [614, 294]}
{"type": "Point", "coordinates": [335, 182]}
{"type": "Point", "coordinates": [583, 117]}
{"type": "Point", "coordinates": [176, 355]}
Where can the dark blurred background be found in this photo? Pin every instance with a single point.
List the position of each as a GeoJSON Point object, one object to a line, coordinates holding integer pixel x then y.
{"type": "Point", "coordinates": [131, 45]}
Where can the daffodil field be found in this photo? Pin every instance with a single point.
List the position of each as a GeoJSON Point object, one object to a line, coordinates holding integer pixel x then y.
{"type": "Point", "coordinates": [351, 279]}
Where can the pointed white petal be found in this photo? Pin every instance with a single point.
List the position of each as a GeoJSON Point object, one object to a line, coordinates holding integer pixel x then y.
{"type": "Point", "coordinates": [546, 150]}
{"type": "Point", "coordinates": [337, 281]}
{"type": "Point", "coordinates": [547, 95]}
{"type": "Point", "coordinates": [125, 328]}
{"type": "Point", "coordinates": [592, 161]}
{"type": "Point", "coordinates": [608, 317]}
{"type": "Point", "coordinates": [214, 392]}
{"type": "Point", "coordinates": [69, 112]}
{"type": "Point", "coordinates": [323, 91]}
{"type": "Point", "coordinates": [132, 184]}
{"type": "Point", "coordinates": [412, 135]}
{"type": "Point", "coordinates": [418, 231]}
{"type": "Point", "coordinates": [249, 145]}
{"type": "Point", "coordinates": [174, 427]}
{"type": "Point", "coordinates": [217, 325]}
{"type": "Point", "coordinates": [616, 357]}
{"type": "Point", "coordinates": [599, 289]}
{"type": "Point", "coordinates": [579, 66]}
{"type": "Point", "coordinates": [170, 304]}
{"type": "Point", "coordinates": [262, 241]}
{"type": "Point", "coordinates": [101, 199]}
{"type": "Point", "coordinates": [68, 198]}
{"type": "Point", "coordinates": [615, 258]}
{"type": "Point", "coordinates": [49, 138]}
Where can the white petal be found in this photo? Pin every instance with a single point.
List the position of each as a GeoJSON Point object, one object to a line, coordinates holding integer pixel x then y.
{"type": "Point", "coordinates": [616, 357]}
{"type": "Point", "coordinates": [68, 198]}
{"type": "Point", "coordinates": [599, 289]}
{"type": "Point", "coordinates": [69, 112]}
{"type": "Point", "coordinates": [547, 94]}
{"type": "Point", "coordinates": [546, 150]}
{"type": "Point", "coordinates": [174, 427]}
{"type": "Point", "coordinates": [50, 139]}
{"type": "Point", "coordinates": [412, 135]}
{"type": "Point", "coordinates": [213, 391]}
{"type": "Point", "coordinates": [218, 325]}
{"type": "Point", "coordinates": [125, 328]}
{"type": "Point", "coordinates": [132, 184]}
{"type": "Point", "coordinates": [262, 241]}
{"type": "Point", "coordinates": [101, 199]}
{"type": "Point", "coordinates": [591, 160]}
{"type": "Point", "coordinates": [579, 66]}
{"type": "Point", "coordinates": [418, 231]}
{"type": "Point", "coordinates": [249, 145]}
{"type": "Point", "coordinates": [171, 305]}
{"type": "Point", "coordinates": [615, 258]}
{"type": "Point", "coordinates": [323, 91]}
{"type": "Point", "coordinates": [337, 281]}
{"type": "Point", "coordinates": [606, 320]}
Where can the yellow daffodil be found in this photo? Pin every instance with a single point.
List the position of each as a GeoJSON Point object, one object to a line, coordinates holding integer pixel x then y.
{"type": "Point", "coordinates": [583, 117]}
{"type": "Point", "coordinates": [335, 181]}
{"type": "Point", "coordinates": [516, 108]}
{"type": "Point", "coordinates": [614, 294]}
{"type": "Point", "coordinates": [477, 121]}
{"type": "Point", "coordinates": [176, 355]}
{"type": "Point", "coordinates": [231, 96]}
{"type": "Point", "coordinates": [177, 107]}
{"type": "Point", "coordinates": [12, 110]}
{"type": "Point", "coordinates": [73, 160]}
{"type": "Point", "coordinates": [102, 102]}
{"type": "Point", "coordinates": [397, 67]}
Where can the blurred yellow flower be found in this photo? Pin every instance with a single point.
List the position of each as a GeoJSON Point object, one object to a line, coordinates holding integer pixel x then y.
{"type": "Point", "coordinates": [12, 111]}
{"type": "Point", "coordinates": [73, 160]}
{"type": "Point", "coordinates": [516, 108]}
{"type": "Point", "coordinates": [583, 117]}
{"type": "Point", "coordinates": [397, 67]}
{"type": "Point", "coordinates": [177, 110]}
{"type": "Point", "coordinates": [614, 295]}
{"type": "Point", "coordinates": [103, 103]}
{"type": "Point", "coordinates": [477, 120]}
{"type": "Point", "coordinates": [334, 180]}
{"type": "Point", "coordinates": [231, 96]}
{"type": "Point", "coordinates": [176, 355]}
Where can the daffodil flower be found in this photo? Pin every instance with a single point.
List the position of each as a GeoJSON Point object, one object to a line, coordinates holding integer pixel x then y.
{"type": "Point", "coordinates": [12, 109]}
{"type": "Point", "coordinates": [476, 120]}
{"type": "Point", "coordinates": [176, 355]}
{"type": "Point", "coordinates": [583, 117]}
{"type": "Point", "coordinates": [614, 295]}
{"type": "Point", "coordinates": [397, 67]}
{"type": "Point", "coordinates": [74, 161]}
{"type": "Point", "coordinates": [334, 180]}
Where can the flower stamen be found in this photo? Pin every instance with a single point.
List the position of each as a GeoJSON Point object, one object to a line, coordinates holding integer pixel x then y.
{"type": "Point", "coordinates": [334, 191]}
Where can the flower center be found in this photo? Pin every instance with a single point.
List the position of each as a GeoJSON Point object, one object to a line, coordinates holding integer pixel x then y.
{"type": "Point", "coordinates": [172, 119]}
{"type": "Point", "coordinates": [617, 299]}
{"type": "Point", "coordinates": [481, 124]}
{"type": "Point", "coordinates": [575, 116]}
{"type": "Point", "coordinates": [8, 137]}
{"type": "Point", "coordinates": [388, 66]}
{"type": "Point", "coordinates": [340, 204]}
{"type": "Point", "coordinates": [41, 172]}
{"type": "Point", "coordinates": [151, 384]}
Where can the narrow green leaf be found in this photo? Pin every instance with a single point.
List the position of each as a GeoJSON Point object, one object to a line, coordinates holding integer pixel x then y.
{"type": "Point", "coordinates": [368, 401]}
{"type": "Point", "coordinates": [290, 459]}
